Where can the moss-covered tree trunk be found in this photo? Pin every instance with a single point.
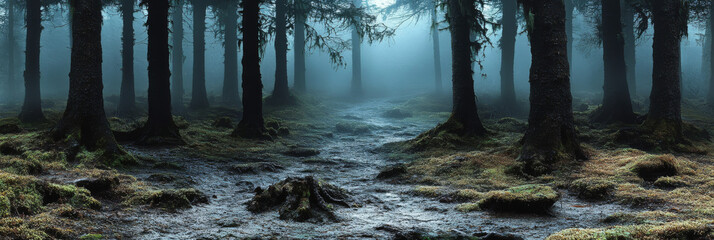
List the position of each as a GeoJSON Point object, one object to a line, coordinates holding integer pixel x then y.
{"type": "Point", "coordinates": [550, 137]}
{"type": "Point", "coordinates": [84, 115]}
{"type": "Point", "coordinates": [464, 114]}
{"type": "Point", "coordinates": [356, 88]}
{"type": "Point", "coordinates": [252, 124]}
{"type": "Point", "coordinates": [299, 42]}
{"type": "Point", "coordinates": [177, 90]}
{"type": "Point", "coordinates": [127, 93]}
{"type": "Point", "coordinates": [616, 102]}
{"type": "Point", "coordinates": [160, 127]}
{"type": "Point", "coordinates": [628, 32]}
{"type": "Point", "coordinates": [665, 116]}
{"type": "Point", "coordinates": [281, 91]}
{"type": "Point", "coordinates": [231, 96]}
{"type": "Point", "coordinates": [437, 49]}
{"type": "Point", "coordinates": [199, 97]}
{"type": "Point", "coordinates": [32, 107]}
{"type": "Point", "coordinates": [508, 50]}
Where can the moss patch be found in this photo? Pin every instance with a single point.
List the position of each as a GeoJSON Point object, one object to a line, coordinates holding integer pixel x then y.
{"type": "Point", "coordinates": [527, 198]}
{"type": "Point", "coordinates": [674, 230]}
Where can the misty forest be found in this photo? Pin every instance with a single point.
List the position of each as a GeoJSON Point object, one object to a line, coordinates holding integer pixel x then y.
{"type": "Point", "coordinates": [357, 119]}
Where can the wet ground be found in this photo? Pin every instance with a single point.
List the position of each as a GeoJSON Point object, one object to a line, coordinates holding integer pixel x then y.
{"type": "Point", "coordinates": [348, 161]}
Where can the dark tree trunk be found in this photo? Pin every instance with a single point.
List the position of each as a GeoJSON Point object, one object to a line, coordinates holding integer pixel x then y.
{"type": "Point", "coordinates": [665, 117]}
{"type": "Point", "coordinates": [199, 97]}
{"type": "Point", "coordinates": [569, 9]}
{"type": "Point", "coordinates": [84, 115]}
{"type": "Point", "coordinates": [551, 136]}
{"type": "Point", "coordinates": [508, 49]}
{"type": "Point", "coordinates": [356, 57]}
{"type": "Point", "coordinates": [628, 29]}
{"type": "Point", "coordinates": [252, 124]}
{"type": "Point", "coordinates": [710, 52]}
{"type": "Point", "coordinates": [11, 51]}
{"type": "Point", "coordinates": [231, 96]}
{"type": "Point", "coordinates": [177, 91]}
{"type": "Point", "coordinates": [616, 103]}
{"type": "Point", "coordinates": [281, 91]}
{"type": "Point", "coordinates": [437, 49]}
{"type": "Point", "coordinates": [160, 127]}
{"type": "Point", "coordinates": [706, 51]}
{"type": "Point", "coordinates": [127, 94]}
{"type": "Point", "coordinates": [464, 113]}
{"type": "Point", "coordinates": [299, 42]}
{"type": "Point", "coordinates": [32, 108]}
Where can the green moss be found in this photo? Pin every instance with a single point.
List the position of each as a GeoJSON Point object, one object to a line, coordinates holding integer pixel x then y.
{"type": "Point", "coordinates": [428, 191]}
{"type": "Point", "coordinates": [91, 237]}
{"type": "Point", "coordinates": [4, 206]}
{"type": "Point", "coordinates": [169, 200]}
{"type": "Point", "coordinates": [670, 182]}
{"type": "Point", "coordinates": [652, 167]}
{"type": "Point", "coordinates": [682, 230]}
{"type": "Point", "coordinates": [592, 188]}
{"type": "Point", "coordinates": [527, 198]}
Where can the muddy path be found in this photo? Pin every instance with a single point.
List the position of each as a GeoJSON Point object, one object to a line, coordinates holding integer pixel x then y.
{"type": "Point", "coordinates": [349, 161]}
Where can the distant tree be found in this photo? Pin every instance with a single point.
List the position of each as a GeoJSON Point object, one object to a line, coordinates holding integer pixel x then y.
{"type": "Point", "coordinates": [550, 138]}
{"type": "Point", "coordinates": [616, 103]}
{"type": "Point", "coordinates": [199, 97]}
{"type": "Point", "coordinates": [177, 57]}
{"type": "Point", "coordinates": [301, 11]}
{"type": "Point", "coordinates": [127, 95]}
{"type": "Point", "coordinates": [84, 116]}
{"type": "Point", "coordinates": [32, 107]}
{"type": "Point", "coordinates": [252, 123]}
{"type": "Point", "coordinates": [11, 43]}
{"type": "Point", "coordinates": [281, 91]}
{"type": "Point", "coordinates": [628, 33]}
{"type": "Point", "coordinates": [508, 50]}
{"type": "Point", "coordinates": [228, 19]}
{"type": "Point", "coordinates": [356, 54]}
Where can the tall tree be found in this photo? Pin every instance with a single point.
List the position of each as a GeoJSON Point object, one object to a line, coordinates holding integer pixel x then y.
{"type": "Point", "coordinates": [160, 127]}
{"type": "Point", "coordinates": [670, 24]}
{"type": "Point", "coordinates": [508, 50]}
{"type": "Point", "coordinates": [177, 57]}
{"type": "Point", "coordinates": [199, 97]}
{"type": "Point", "coordinates": [11, 49]}
{"type": "Point", "coordinates": [708, 46]}
{"type": "Point", "coordinates": [550, 137]}
{"type": "Point", "coordinates": [281, 91]}
{"type": "Point", "coordinates": [229, 18]}
{"type": "Point", "coordinates": [127, 94]}
{"type": "Point", "coordinates": [84, 115]}
{"type": "Point", "coordinates": [616, 103]}
{"type": "Point", "coordinates": [569, 10]}
{"type": "Point", "coordinates": [435, 41]}
{"type": "Point", "coordinates": [356, 55]}
{"type": "Point", "coordinates": [299, 42]}
{"type": "Point", "coordinates": [32, 107]}
{"type": "Point", "coordinates": [628, 32]}
{"type": "Point", "coordinates": [252, 124]}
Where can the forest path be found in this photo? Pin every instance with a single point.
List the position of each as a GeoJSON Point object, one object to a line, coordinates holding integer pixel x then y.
{"type": "Point", "coordinates": [347, 160]}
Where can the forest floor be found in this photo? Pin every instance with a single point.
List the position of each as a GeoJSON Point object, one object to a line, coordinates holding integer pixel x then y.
{"type": "Point", "coordinates": [201, 190]}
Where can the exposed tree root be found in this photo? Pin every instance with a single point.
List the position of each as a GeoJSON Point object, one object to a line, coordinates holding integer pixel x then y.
{"type": "Point", "coordinates": [301, 199]}
{"type": "Point", "coordinates": [667, 136]}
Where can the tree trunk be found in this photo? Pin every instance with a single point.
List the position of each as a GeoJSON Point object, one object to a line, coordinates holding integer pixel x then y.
{"type": "Point", "coordinates": [665, 116]}
{"type": "Point", "coordinates": [356, 57]}
{"type": "Point", "coordinates": [177, 91]}
{"type": "Point", "coordinates": [569, 9]}
{"type": "Point", "coordinates": [628, 29]}
{"type": "Point", "coordinates": [252, 124]}
{"type": "Point", "coordinates": [465, 112]}
{"type": "Point", "coordinates": [32, 108]}
{"type": "Point", "coordinates": [299, 42]}
{"type": "Point", "coordinates": [11, 87]}
{"type": "Point", "coordinates": [160, 127]}
{"type": "Point", "coordinates": [127, 94]}
{"type": "Point", "coordinates": [710, 52]}
{"type": "Point", "coordinates": [84, 114]}
{"type": "Point", "coordinates": [508, 49]}
{"type": "Point", "coordinates": [437, 50]}
{"type": "Point", "coordinates": [231, 97]}
{"type": "Point", "coordinates": [199, 97]}
{"type": "Point", "coordinates": [616, 103]}
{"type": "Point", "coordinates": [281, 93]}
{"type": "Point", "coordinates": [550, 137]}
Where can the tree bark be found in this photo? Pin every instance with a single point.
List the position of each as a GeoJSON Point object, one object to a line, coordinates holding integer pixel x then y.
{"type": "Point", "coordinates": [177, 90]}
{"type": "Point", "coordinates": [550, 137]}
{"type": "Point", "coordinates": [569, 9]}
{"type": "Point", "coordinates": [628, 29]}
{"type": "Point", "coordinates": [665, 116]}
{"type": "Point", "coordinates": [199, 97]}
{"type": "Point", "coordinates": [299, 42]}
{"type": "Point", "coordinates": [437, 50]}
{"type": "Point", "coordinates": [32, 107]}
{"type": "Point", "coordinates": [11, 51]}
{"type": "Point", "coordinates": [616, 102]}
{"type": "Point", "coordinates": [231, 96]}
{"type": "Point", "coordinates": [84, 114]}
{"type": "Point", "coordinates": [465, 112]}
{"type": "Point", "coordinates": [508, 50]}
{"type": "Point", "coordinates": [252, 124]}
{"type": "Point", "coordinates": [281, 91]}
{"type": "Point", "coordinates": [708, 46]}
{"type": "Point", "coordinates": [356, 57]}
{"type": "Point", "coordinates": [127, 94]}
{"type": "Point", "coordinates": [160, 127]}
